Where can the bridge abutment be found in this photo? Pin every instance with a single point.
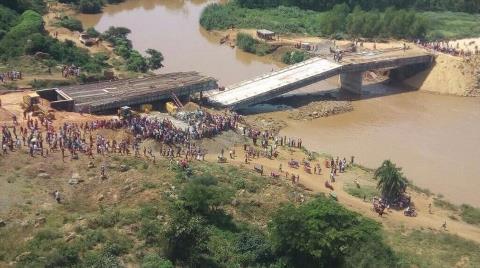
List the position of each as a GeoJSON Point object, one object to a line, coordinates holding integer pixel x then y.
{"type": "Point", "coordinates": [351, 82]}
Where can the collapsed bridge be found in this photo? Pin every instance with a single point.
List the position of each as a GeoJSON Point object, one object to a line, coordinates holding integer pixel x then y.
{"type": "Point", "coordinates": [107, 96]}
{"type": "Point", "coordinates": [271, 85]}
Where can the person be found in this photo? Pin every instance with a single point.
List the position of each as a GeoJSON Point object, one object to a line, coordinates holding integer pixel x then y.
{"type": "Point", "coordinates": [56, 195]}
{"type": "Point", "coordinates": [102, 171]}
{"type": "Point", "coordinates": [444, 225]}
{"type": "Point", "coordinates": [430, 208]}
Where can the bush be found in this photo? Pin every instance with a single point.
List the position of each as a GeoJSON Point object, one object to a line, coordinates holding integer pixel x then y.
{"type": "Point", "coordinates": [64, 256]}
{"type": "Point", "coordinates": [70, 23]}
{"type": "Point", "coordinates": [294, 57]}
{"type": "Point", "coordinates": [246, 42]}
{"type": "Point", "coordinates": [100, 260]}
{"type": "Point", "coordinates": [249, 44]}
{"type": "Point", "coordinates": [155, 261]}
{"type": "Point", "coordinates": [90, 6]}
{"type": "Point", "coordinates": [92, 32]}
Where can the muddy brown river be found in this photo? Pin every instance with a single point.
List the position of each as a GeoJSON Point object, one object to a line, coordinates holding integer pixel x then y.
{"type": "Point", "coordinates": [436, 139]}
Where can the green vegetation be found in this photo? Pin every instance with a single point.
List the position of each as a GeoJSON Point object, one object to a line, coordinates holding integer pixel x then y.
{"type": "Point", "coordinates": [24, 35]}
{"type": "Point", "coordinates": [90, 6]}
{"type": "Point", "coordinates": [470, 214]}
{"type": "Point", "coordinates": [391, 182]}
{"type": "Point", "coordinates": [323, 234]}
{"type": "Point", "coordinates": [123, 47]}
{"type": "Point", "coordinates": [70, 23]}
{"type": "Point", "coordinates": [211, 215]}
{"type": "Point", "coordinates": [431, 249]}
{"type": "Point", "coordinates": [471, 6]}
{"type": "Point", "coordinates": [295, 56]}
{"type": "Point", "coordinates": [249, 44]}
{"type": "Point", "coordinates": [451, 25]}
{"type": "Point", "coordinates": [364, 191]}
{"type": "Point", "coordinates": [343, 21]}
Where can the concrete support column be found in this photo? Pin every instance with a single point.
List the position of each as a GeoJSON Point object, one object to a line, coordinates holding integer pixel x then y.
{"type": "Point", "coordinates": [351, 82]}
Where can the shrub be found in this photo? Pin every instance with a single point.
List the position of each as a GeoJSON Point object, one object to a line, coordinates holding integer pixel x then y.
{"type": "Point", "coordinates": [155, 261]}
{"type": "Point", "coordinates": [246, 42]}
{"type": "Point", "coordinates": [70, 23]}
{"type": "Point", "coordinates": [293, 57]}
{"type": "Point", "coordinates": [100, 260]}
{"type": "Point", "coordinates": [92, 32]}
{"type": "Point", "coordinates": [90, 6]}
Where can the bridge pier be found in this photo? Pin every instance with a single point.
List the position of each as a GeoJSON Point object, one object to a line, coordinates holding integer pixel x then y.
{"type": "Point", "coordinates": [352, 82]}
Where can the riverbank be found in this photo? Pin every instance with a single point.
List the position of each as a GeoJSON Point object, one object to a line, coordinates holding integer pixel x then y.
{"type": "Point", "coordinates": [139, 186]}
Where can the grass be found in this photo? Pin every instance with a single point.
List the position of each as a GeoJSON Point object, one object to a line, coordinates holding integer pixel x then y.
{"type": "Point", "coordinates": [438, 202]}
{"type": "Point", "coordinates": [430, 249]}
{"type": "Point", "coordinates": [470, 214]}
{"type": "Point", "coordinates": [453, 25]}
{"type": "Point", "coordinates": [366, 191]}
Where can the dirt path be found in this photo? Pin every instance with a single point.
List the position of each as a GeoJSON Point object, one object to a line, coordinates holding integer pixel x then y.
{"type": "Point", "coordinates": [392, 220]}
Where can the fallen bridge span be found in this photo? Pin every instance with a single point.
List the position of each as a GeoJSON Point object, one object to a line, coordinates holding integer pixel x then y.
{"type": "Point", "coordinates": [271, 85]}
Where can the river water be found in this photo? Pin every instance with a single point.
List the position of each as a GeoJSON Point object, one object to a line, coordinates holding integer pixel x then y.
{"type": "Point", "coordinates": [436, 139]}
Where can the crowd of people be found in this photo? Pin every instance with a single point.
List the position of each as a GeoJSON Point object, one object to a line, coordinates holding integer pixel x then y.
{"type": "Point", "coordinates": [70, 70]}
{"type": "Point", "coordinates": [448, 48]}
{"type": "Point", "coordinates": [43, 138]}
{"type": "Point", "coordinates": [10, 76]}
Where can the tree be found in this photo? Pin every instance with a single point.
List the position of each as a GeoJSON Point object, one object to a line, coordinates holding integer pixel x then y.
{"type": "Point", "coordinates": [136, 62]}
{"type": "Point", "coordinates": [391, 181]}
{"type": "Point", "coordinates": [186, 237]}
{"type": "Point", "coordinates": [155, 59]}
{"type": "Point", "coordinates": [202, 195]}
{"type": "Point", "coordinates": [319, 233]}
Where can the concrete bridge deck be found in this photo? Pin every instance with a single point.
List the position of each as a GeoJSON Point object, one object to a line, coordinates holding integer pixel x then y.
{"type": "Point", "coordinates": [270, 85]}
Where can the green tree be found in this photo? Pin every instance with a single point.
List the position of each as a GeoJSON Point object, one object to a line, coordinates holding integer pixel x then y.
{"type": "Point", "coordinates": [319, 233]}
{"type": "Point", "coordinates": [155, 59]}
{"type": "Point", "coordinates": [202, 195]}
{"type": "Point", "coordinates": [136, 62]}
{"type": "Point", "coordinates": [391, 181]}
{"type": "Point", "coordinates": [186, 237]}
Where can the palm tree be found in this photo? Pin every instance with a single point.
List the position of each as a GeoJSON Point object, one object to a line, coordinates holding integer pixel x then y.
{"type": "Point", "coordinates": [391, 181]}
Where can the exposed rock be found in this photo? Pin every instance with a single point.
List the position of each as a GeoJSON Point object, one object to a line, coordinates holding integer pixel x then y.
{"type": "Point", "coordinates": [39, 221]}
{"type": "Point", "coordinates": [70, 237]}
{"type": "Point", "coordinates": [23, 256]}
{"type": "Point", "coordinates": [124, 168]}
{"type": "Point", "coordinates": [100, 197]}
{"type": "Point", "coordinates": [43, 175]}
{"type": "Point", "coordinates": [2, 223]}
{"type": "Point", "coordinates": [72, 181]}
{"type": "Point", "coordinates": [235, 202]}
